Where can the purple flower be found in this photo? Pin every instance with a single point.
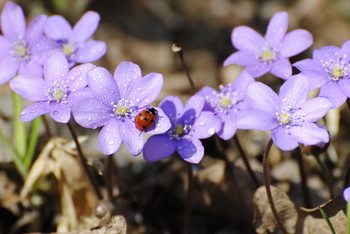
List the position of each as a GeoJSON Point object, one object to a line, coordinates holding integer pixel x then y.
{"type": "Point", "coordinates": [56, 92]}
{"type": "Point", "coordinates": [74, 42]}
{"type": "Point", "coordinates": [330, 70]}
{"type": "Point", "coordinates": [346, 194]}
{"type": "Point", "coordinates": [115, 103]}
{"type": "Point", "coordinates": [22, 50]}
{"type": "Point", "coordinates": [188, 125]}
{"type": "Point", "coordinates": [289, 115]}
{"type": "Point", "coordinates": [227, 103]}
{"type": "Point", "coordinates": [270, 54]}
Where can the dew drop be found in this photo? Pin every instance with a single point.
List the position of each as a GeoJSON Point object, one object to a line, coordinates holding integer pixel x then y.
{"type": "Point", "coordinates": [32, 111]}
{"type": "Point", "coordinates": [55, 112]}
{"type": "Point", "coordinates": [211, 131]}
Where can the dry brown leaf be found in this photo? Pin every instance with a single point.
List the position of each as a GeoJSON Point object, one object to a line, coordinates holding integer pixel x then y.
{"type": "Point", "coordinates": [77, 200]}
{"type": "Point", "coordinates": [114, 225]}
{"type": "Point", "coordinates": [294, 218]}
{"type": "Point", "coordinates": [9, 198]}
{"type": "Point", "coordinates": [264, 219]}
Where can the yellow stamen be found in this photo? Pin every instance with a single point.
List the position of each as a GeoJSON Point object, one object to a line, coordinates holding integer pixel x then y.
{"type": "Point", "coordinates": [122, 110]}
{"type": "Point", "coordinates": [225, 102]}
{"type": "Point", "coordinates": [337, 72]}
{"type": "Point", "coordinates": [285, 118]}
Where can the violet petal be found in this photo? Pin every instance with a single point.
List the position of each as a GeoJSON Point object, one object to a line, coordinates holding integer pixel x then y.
{"type": "Point", "coordinates": [29, 87]}
{"type": "Point", "coordinates": [158, 147]}
{"type": "Point", "coordinates": [283, 140]}
{"type": "Point", "coordinates": [90, 51]}
{"type": "Point", "coordinates": [103, 86]}
{"type": "Point", "coordinates": [109, 139]}
{"type": "Point", "coordinates": [190, 149]}
{"type": "Point", "coordinates": [85, 27]}
{"type": "Point", "coordinates": [58, 28]}
{"type": "Point", "coordinates": [295, 42]}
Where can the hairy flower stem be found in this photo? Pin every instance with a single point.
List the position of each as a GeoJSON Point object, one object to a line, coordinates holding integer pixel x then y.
{"type": "Point", "coordinates": [84, 163]}
{"type": "Point", "coordinates": [47, 127]}
{"type": "Point", "coordinates": [188, 202]}
{"type": "Point", "coordinates": [108, 176]}
{"type": "Point", "coordinates": [245, 161]}
{"type": "Point", "coordinates": [180, 52]}
{"type": "Point", "coordinates": [268, 189]}
{"type": "Point", "coordinates": [220, 151]}
{"type": "Point", "coordinates": [327, 176]}
{"type": "Point", "coordinates": [347, 166]}
{"type": "Point", "coordinates": [304, 188]}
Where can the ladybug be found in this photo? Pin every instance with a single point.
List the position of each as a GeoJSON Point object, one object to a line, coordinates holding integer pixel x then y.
{"type": "Point", "coordinates": [145, 119]}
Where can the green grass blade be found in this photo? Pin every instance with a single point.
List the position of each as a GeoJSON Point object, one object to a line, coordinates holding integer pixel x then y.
{"type": "Point", "coordinates": [16, 158]}
{"type": "Point", "coordinates": [348, 218]}
{"type": "Point", "coordinates": [325, 216]}
{"type": "Point", "coordinates": [33, 140]}
{"type": "Point", "coordinates": [20, 132]}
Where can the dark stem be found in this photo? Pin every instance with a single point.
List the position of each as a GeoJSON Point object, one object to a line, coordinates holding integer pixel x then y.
{"type": "Point", "coordinates": [188, 202]}
{"type": "Point", "coordinates": [347, 166]}
{"type": "Point", "coordinates": [180, 52]}
{"type": "Point", "coordinates": [304, 188]}
{"type": "Point", "coordinates": [347, 172]}
{"type": "Point", "coordinates": [245, 161]}
{"type": "Point", "coordinates": [220, 151]}
{"type": "Point", "coordinates": [84, 163]}
{"type": "Point", "coordinates": [109, 176]}
{"type": "Point", "coordinates": [268, 189]}
{"type": "Point", "coordinates": [327, 175]}
{"type": "Point", "coordinates": [47, 127]}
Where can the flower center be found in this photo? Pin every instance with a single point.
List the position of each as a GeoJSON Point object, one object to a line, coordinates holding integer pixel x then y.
{"type": "Point", "coordinates": [267, 54]}
{"type": "Point", "coordinates": [289, 116]}
{"type": "Point", "coordinates": [68, 48]}
{"type": "Point", "coordinates": [57, 92]}
{"type": "Point", "coordinates": [124, 109]}
{"type": "Point", "coordinates": [179, 131]}
{"type": "Point", "coordinates": [226, 99]}
{"type": "Point", "coordinates": [225, 102]}
{"type": "Point", "coordinates": [285, 118]}
{"type": "Point", "coordinates": [337, 70]}
{"type": "Point", "coordinates": [20, 50]}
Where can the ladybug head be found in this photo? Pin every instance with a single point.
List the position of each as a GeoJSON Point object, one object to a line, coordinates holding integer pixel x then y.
{"type": "Point", "coordinates": [153, 111]}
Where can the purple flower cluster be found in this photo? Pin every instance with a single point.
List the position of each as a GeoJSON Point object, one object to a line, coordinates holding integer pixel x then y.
{"type": "Point", "coordinates": [329, 69]}
{"type": "Point", "coordinates": [45, 56]}
{"type": "Point", "coordinates": [24, 50]}
{"type": "Point", "coordinates": [74, 42]}
{"type": "Point", "coordinates": [289, 115]}
{"type": "Point", "coordinates": [261, 55]}
{"type": "Point", "coordinates": [188, 124]}
{"type": "Point", "coordinates": [114, 103]}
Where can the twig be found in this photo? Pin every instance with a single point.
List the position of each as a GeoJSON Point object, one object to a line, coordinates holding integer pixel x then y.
{"type": "Point", "coordinates": [304, 188]}
{"type": "Point", "coordinates": [84, 163]}
{"type": "Point", "coordinates": [246, 162]}
{"type": "Point", "coordinates": [180, 52]}
{"type": "Point", "coordinates": [268, 189]}
{"type": "Point", "coordinates": [188, 202]}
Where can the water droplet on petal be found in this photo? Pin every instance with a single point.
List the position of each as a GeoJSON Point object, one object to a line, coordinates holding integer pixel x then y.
{"type": "Point", "coordinates": [211, 131]}
{"type": "Point", "coordinates": [111, 142]}
{"type": "Point", "coordinates": [55, 112]}
{"type": "Point", "coordinates": [32, 111]}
